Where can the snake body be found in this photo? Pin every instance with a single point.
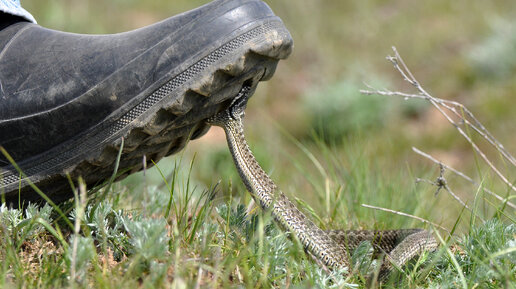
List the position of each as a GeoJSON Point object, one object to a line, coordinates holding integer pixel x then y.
{"type": "Point", "coordinates": [329, 248]}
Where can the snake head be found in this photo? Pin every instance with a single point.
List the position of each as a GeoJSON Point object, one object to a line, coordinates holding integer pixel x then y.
{"type": "Point", "coordinates": [239, 103]}
{"type": "Point", "coordinates": [235, 110]}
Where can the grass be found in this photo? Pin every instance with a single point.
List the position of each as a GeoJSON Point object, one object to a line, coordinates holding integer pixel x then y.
{"type": "Point", "coordinates": [207, 239]}
{"type": "Point", "coordinates": [178, 227]}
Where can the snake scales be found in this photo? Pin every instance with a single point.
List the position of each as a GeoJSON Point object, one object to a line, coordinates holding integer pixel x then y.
{"type": "Point", "coordinates": [329, 248]}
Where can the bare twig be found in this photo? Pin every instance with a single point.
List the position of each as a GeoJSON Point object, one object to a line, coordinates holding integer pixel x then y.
{"type": "Point", "coordinates": [406, 215]}
{"type": "Point", "coordinates": [465, 117]}
{"type": "Point", "coordinates": [464, 176]}
{"type": "Point", "coordinates": [441, 183]}
{"type": "Point", "coordinates": [447, 188]}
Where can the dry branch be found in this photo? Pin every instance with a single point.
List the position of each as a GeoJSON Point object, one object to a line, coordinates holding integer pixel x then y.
{"type": "Point", "coordinates": [450, 110]}
{"type": "Point", "coordinates": [464, 176]}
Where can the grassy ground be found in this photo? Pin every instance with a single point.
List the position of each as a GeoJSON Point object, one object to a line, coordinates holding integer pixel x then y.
{"type": "Point", "coordinates": [181, 228]}
{"type": "Point", "coordinates": [181, 234]}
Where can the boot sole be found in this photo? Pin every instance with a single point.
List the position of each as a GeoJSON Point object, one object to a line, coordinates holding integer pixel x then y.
{"type": "Point", "coordinates": [161, 124]}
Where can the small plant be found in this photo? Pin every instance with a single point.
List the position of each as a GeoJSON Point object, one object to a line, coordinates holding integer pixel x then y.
{"type": "Point", "coordinates": [81, 257]}
{"type": "Point", "coordinates": [340, 110]}
{"type": "Point", "coordinates": [148, 237]}
{"type": "Point", "coordinates": [26, 225]}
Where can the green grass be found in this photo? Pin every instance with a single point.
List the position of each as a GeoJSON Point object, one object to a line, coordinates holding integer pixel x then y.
{"type": "Point", "coordinates": [206, 238]}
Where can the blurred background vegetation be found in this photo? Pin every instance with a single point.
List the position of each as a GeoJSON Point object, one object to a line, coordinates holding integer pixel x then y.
{"type": "Point", "coordinates": [460, 50]}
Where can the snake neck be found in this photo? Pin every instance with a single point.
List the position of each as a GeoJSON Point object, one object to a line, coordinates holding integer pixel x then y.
{"type": "Point", "coordinates": [263, 190]}
{"type": "Point", "coordinates": [257, 182]}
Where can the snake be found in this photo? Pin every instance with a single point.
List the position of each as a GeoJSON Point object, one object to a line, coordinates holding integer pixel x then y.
{"type": "Point", "coordinates": [329, 248]}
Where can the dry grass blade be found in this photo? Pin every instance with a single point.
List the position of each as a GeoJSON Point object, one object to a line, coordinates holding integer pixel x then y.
{"type": "Point", "coordinates": [406, 215]}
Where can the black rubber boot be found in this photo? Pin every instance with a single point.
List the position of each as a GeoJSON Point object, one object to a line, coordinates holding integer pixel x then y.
{"type": "Point", "coordinates": [68, 100]}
